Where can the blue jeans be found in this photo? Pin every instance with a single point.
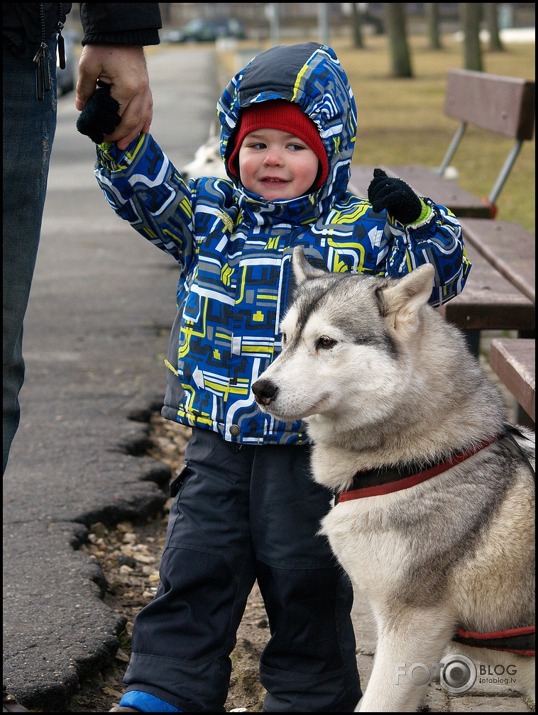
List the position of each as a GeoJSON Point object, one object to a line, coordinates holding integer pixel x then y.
{"type": "Point", "coordinates": [29, 127]}
{"type": "Point", "coordinates": [246, 513]}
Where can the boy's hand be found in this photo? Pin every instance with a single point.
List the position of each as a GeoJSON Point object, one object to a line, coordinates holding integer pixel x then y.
{"type": "Point", "coordinates": [394, 195]}
{"type": "Point", "coordinates": [123, 67]}
{"type": "Point", "coordinates": [99, 116]}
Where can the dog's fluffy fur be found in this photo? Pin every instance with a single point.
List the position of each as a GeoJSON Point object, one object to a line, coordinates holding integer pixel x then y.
{"type": "Point", "coordinates": [382, 380]}
{"type": "Point", "coordinates": [207, 160]}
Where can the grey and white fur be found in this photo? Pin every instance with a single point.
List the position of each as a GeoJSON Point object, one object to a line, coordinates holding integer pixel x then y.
{"type": "Point", "coordinates": [381, 380]}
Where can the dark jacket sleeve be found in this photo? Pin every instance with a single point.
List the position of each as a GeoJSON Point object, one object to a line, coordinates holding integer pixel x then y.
{"type": "Point", "coordinates": [120, 23]}
{"type": "Point", "coordinates": [26, 24]}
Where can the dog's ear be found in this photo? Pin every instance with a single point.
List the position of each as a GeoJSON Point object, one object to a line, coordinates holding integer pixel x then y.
{"type": "Point", "coordinates": [303, 270]}
{"type": "Point", "coordinates": [214, 132]}
{"type": "Point", "coordinates": [401, 299]}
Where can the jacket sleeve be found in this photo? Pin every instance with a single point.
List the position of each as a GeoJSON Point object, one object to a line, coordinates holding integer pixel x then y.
{"type": "Point", "coordinates": [437, 240]}
{"type": "Point", "coordinates": [142, 186]}
{"type": "Point", "coordinates": [120, 23]}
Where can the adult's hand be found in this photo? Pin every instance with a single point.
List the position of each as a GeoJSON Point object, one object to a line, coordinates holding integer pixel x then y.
{"type": "Point", "coordinates": [124, 68]}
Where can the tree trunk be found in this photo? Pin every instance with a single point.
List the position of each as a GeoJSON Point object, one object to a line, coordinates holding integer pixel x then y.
{"type": "Point", "coordinates": [471, 14]}
{"type": "Point", "coordinates": [394, 16]}
{"type": "Point", "coordinates": [432, 19]}
{"type": "Point", "coordinates": [358, 40]}
{"type": "Point", "coordinates": [491, 13]}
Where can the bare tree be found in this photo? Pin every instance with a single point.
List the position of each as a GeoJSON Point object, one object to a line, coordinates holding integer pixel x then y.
{"type": "Point", "coordinates": [432, 21]}
{"type": "Point", "coordinates": [491, 14]}
{"type": "Point", "coordinates": [358, 39]}
{"type": "Point", "coordinates": [394, 17]}
{"type": "Point", "coordinates": [471, 15]}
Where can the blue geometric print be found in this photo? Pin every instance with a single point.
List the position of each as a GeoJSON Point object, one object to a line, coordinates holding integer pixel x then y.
{"type": "Point", "coordinates": [234, 249]}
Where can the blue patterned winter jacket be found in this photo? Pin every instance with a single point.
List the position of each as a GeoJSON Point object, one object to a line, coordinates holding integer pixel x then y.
{"type": "Point", "coordinates": [234, 249]}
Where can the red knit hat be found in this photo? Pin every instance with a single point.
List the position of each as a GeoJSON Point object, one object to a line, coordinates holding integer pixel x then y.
{"type": "Point", "coordinates": [286, 116]}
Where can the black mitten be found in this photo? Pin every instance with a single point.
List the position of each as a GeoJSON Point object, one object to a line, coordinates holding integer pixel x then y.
{"type": "Point", "coordinates": [394, 195]}
{"type": "Point", "coordinates": [100, 114]}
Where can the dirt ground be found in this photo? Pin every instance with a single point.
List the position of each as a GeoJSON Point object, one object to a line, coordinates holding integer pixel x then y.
{"type": "Point", "coordinates": [129, 556]}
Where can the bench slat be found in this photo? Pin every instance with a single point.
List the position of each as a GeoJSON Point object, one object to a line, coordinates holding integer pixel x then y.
{"type": "Point", "coordinates": [508, 247]}
{"type": "Point", "coordinates": [514, 362]}
{"type": "Point", "coordinates": [443, 191]}
{"type": "Point", "coordinates": [489, 301]}
{"type": "Point", "coordinates": [426, 183]}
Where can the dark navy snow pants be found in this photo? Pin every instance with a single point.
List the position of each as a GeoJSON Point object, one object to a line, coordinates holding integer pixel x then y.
{"type": "Point", "coordinates": [244, 513]}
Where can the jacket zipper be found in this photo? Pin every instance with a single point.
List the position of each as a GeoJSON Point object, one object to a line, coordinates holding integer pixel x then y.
{"type": "Point", "coordinates": [42, 70]}
{"type": "Point", "coordinates": [59, 28]}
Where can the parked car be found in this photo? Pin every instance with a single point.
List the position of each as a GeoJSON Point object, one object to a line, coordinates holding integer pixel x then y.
{"type": "Point", "coordinates": [67, 77]}
{"type": "Point", "coordinates": [199, 30]}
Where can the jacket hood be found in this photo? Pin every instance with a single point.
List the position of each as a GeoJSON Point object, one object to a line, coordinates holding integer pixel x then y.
{"type": "Point", "coordinates": [310, 75]}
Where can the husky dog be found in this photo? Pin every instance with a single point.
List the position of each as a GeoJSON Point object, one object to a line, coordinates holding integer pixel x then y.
{"type": "Point", "coordinates": [207, 159]}
{"type": "Point", "coordinates": [434, 492]}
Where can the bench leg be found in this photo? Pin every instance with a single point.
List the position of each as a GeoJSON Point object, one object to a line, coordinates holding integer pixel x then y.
{"type": "Point", "coordinates": [473, 341]}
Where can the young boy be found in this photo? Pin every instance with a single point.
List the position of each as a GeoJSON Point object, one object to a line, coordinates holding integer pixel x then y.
{"type": "Point", "coordinates": [245, 506]}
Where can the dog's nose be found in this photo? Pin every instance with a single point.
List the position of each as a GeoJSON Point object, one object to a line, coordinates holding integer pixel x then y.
{"type": "Point", "coordinates": [264, 391]}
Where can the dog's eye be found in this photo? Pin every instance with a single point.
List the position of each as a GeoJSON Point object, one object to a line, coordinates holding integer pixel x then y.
{"type": "Point", "coordinates": [284, 339]}
{"type": "Point", "coordinates": [325, 343]}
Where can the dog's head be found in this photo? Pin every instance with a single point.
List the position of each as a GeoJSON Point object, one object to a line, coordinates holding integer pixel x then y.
{"type": "Point", "coordinates": [207, 160]}
{"type": "Point", "coordinates": [347, 344]}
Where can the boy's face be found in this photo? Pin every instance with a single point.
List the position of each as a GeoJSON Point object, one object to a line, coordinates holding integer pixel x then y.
{"type": "Point", "coordinates": [276, 165]}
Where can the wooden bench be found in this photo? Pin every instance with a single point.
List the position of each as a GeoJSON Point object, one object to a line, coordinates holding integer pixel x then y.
{"type": "Point", "coordinates": [426, 183]}
{"type": "Point", "coordinates": [503, 105]}
{"type": "Point", "coordinates": [513, 360]}
{"type": "Point", "coordinates": [508, 247]}
{"type": "Point", "coordinates": [500, 291]}
{"type": "Point", "coordinates": [489, 301]}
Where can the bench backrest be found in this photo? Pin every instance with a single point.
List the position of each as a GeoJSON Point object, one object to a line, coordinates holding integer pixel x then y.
{"type": "Point", "coordinates": [504, 105]}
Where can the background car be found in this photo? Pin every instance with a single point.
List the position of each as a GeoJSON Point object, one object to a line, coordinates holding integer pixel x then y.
{"type": "Point", "coordinates": [199, 30]}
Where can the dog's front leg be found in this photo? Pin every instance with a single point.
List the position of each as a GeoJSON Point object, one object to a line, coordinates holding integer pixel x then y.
{"type": "Point", "coordinates": [409, 648]}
